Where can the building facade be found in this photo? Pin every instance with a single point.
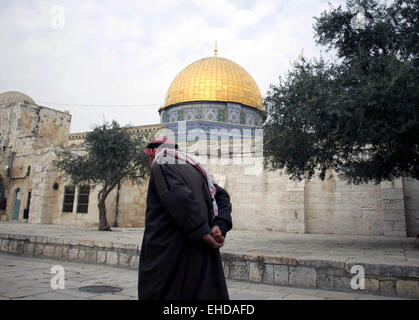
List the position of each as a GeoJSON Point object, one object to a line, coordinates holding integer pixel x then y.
{"type": "Point", "coordinates": [213, 109]}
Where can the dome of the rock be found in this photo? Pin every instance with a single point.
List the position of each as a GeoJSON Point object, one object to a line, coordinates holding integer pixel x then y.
{"type": "Point", "coordinates": [214, 79]}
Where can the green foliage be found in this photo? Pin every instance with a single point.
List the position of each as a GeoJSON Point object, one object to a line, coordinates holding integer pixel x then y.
{"type": "Point", "coordinates": [110, 156]}
{"type": "Point", "coordinates": [357, 116]}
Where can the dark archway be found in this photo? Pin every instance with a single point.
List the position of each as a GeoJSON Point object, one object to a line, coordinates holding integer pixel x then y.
{"type": "Point", "coordinates": [2, 195]}
{"type": "Point", "coordinates": [2, 189]}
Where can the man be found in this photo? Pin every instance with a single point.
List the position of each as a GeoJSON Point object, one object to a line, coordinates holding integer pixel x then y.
{"type": "Point", "coordinates": [187, 219]}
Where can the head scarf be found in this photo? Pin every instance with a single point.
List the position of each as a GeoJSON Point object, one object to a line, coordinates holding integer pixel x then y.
{"type": "Point", "coordinates": [155, 147]}
{"type": "Point", "coordinates": [156, 153]}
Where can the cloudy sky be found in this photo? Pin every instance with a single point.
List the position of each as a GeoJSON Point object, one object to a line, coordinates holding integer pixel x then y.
{"type": "Point", "coordinates": [104, 60]}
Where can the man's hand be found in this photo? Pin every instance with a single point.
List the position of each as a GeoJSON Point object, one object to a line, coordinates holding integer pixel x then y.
{"type": "Point", "coordinates": [217, 234]}
{"type": "Point", "coordinates": [210, 241]}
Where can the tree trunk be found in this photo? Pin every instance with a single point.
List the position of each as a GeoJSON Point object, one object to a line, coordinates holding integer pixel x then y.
{"type": "Point", "coordinates": [103, 222]}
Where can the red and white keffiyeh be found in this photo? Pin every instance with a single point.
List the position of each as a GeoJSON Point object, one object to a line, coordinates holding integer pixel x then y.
{"type": "Point", "coordinates": [160, 155]}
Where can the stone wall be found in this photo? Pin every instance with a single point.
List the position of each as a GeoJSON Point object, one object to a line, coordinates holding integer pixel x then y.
{"type": "Point", "coordinates": [411, 205]}
{"type": "Point", "coordinates": [29, 135]}
{"type": "Point", "coordinates": [266, 200]}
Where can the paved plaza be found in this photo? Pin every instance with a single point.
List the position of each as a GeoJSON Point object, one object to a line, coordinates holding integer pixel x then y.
{"type": "Point", "coordinates": [374, 249]}
{"type": "Point", "coordinates": [258, 265]}
{"type": "Point", "coordinates": [30, 278]}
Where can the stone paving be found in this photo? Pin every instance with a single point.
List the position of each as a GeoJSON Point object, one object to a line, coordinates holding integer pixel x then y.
{"type": "Point", "coordinates": [29, 278]}
{"type": "Point", "coordinates": [376, 249]}
{"type": "Point", "coordinates": [390, 264]}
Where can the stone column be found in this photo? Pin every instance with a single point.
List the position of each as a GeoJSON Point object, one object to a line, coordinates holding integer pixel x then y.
{"type": "Point", "coordinates": [393, 208]}
{"type": "Point", "coordinates": [295, 210]}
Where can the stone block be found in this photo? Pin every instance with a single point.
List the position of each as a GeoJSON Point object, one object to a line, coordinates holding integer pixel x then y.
{"type": "Point", "coordinates": [4, 236]}
{"type": "Point", "coordinates": [325, 278]}
{"type": "Point", "coordinates": [103, 244]}
{"type": "Point", "coordinates": [372, 285]}
{"type": "Point", "coordinates": [39, 249]}
{"type": "Point", "coordinates": [118, 245]}
{"type": "Point", "coordinates": [41, 239]}
{"type": "Point", "coordinates": [226, 269]}
{"type": "Point", "coordinates": [342, 283]}
{"type": "Point", "coordinates": [302, 277]}
{"type": "Point", "coordinates": [12, 246]}
{"type": "Point", "coordinates": [72, 242]}
{"type": "Point", "coordinates": [49, 251]}
{"type": "Point", "coordinates": [112, 258]}
{"type": "Point", "coordinates": [92, 258]}
{"type": "Point", "coordinates": [407, 288]}
{"type": "Point", "coordinates": [16, 246]}
{"type": "Point", "coordinates": [123, 259]}
{"type": "Point", "coordinates": [392, 193]}
{"type": "Point", "coordinates": [20, 237]}
{"type": "Point", "coordinates": [388, 287]}
{"type": "Point", "coordinates": [281, 274]}
{"type": "Point", "coordinates": [87, 243]}
{"type": "Point", "coordinates": [134, 262]}
{"type": "Point", "coordinates": [20, 246]}
{"type": "Point", "coordinates": [131, 247]}
{"type": "Point", "coordinates": [61, 252]}
{"type": "Point", "coordinates": [101, 256]}
{"type": "Point", "coordinates": [73, 254]}
{"type": "Point", "coordinates": [28, 249]}
{"type": "Point", "coordinates": [413, 271]}
{"type": "Point", "coordinates": [321, 262]}
{"type": "Point", "coordinates": [393, 270]}
{"type": "Point", "coordinates": [239, 270]}
{"type": "Point", "coordinates": [82, 255]}
{"type": "Point", "coordinates": [255, 272]}
{"type": "Point", "coordinates": [54, 240]}
{"type": "Point", "coordinates": [395, 228]}
{"type": "Point", "coordinates": [268, 273]}
{"type": "Point", "coordinates": [4, 245]}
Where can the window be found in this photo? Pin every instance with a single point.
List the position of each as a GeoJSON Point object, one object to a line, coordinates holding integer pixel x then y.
{"type": "Point", "coordinates": [221, 115]}
{"type": "Point", "coordinates": [180, 116]}
{"type": "Point", "coordinates": [68, 198]}
{"type": "Point", "coordinates": [242, 118]}
{"type": "Point", "coordinates": [83, 199]}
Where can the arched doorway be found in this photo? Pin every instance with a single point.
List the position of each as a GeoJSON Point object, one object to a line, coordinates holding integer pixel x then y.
{"type": "Point", "coordinates": [2, 190]}
{"type": "Point", "coordinates": [17, 204]}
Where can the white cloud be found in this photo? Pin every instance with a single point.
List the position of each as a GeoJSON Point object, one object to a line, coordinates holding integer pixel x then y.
{"type": "Point", "coordinates": [120, 53]}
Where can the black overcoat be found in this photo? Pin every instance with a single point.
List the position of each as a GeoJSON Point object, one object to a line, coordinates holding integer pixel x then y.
{"type": "Point", "coordinates": [175, 263]}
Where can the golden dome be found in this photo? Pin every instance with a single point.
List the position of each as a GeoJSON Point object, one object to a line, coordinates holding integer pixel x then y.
{"type": "Point", "coordinates": [214, 79]}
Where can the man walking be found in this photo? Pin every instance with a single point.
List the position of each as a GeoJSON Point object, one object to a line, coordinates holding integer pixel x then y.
{"type": "Point", "coordinates": [187, 218]}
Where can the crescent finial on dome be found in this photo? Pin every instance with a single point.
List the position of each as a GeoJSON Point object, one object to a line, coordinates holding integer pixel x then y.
{"type": "Point", "coordinates": [215, 49]}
